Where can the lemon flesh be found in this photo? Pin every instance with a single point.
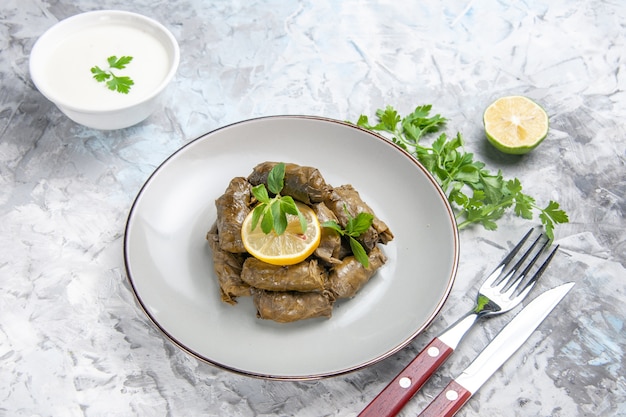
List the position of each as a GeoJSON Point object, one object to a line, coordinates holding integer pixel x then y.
{"type": "Point", "coordinates": [515, 124]}
{"type": "Point", "coordinates": [289, 248]}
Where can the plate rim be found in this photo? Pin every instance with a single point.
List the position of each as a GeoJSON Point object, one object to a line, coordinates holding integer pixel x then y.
{"type": "Point", "coordinates": [267, 376]}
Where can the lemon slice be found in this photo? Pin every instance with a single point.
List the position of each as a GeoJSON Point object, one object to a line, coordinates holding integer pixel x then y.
{"type": "Point", "coordinates": [289, 248]}
{"type": "Point", "coordinates": [515, 124]}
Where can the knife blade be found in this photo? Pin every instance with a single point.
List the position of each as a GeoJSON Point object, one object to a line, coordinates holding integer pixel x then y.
{"type": "Point", "coordinates": [507, 342]}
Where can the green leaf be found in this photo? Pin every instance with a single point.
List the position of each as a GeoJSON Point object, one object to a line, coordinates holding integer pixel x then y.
{"type": "Point", "coordinates": [111, 61]}
{"type": "Point", "coordinates": [354, 228]}
{"type": "Point", "coordinates": [267, 220]}
{"type": "Point", "coordinates": [524, 209]}
{"type": "Point", "coordinates": [120, 63]}
{"type": "Point", "coordinates": [279, 216]}
{"type": "Point", "coordinates": [428, 159]}
{"type": "Point", "coordinates": [257, 213]}
{"type": "Point", "coordinates": [456, 142]}
{"type": "Point", "coordinates": [492, 186]}
{"type": "Point", "coordinates": [550, 215]}
{"type": "Point", "coordinates": [363, 122]}
{"type": "Point", "coordinates": [548, 225]}
{"type": "Point", "coordinates": [412, 132]}
{"type": "Point", "coordinates": [478, 198]}
{"type": "Point", "coordinates": [459, 198]}
{"type": "Point", "coordinates": [100, 75]}
{"type": "Point", "coordinates": [288, 205]}
{"type": "Point", "coordinates": [489, 224]}
{"type": "Point", "coordinates": [389, 118]}
{"type": "Point", "coordinates": [331, 224]}
{"type": "Point", "coordinates": [359, 224]}
{"type": "Point", "coordinates": [420, 118]}
{"type": "Point", "coordinates": [303, 222]}
{"type": "Point", "coordinates": [514, 186]}
{"type": "Point", "coordinates": [439, 144]}
{"type": "Point", "coordinates": [261, 194]}
{"type": "Point", "coordinates": [275, 179]}
{"type": "Point", "coordinates": [468, 173]}
{"type": "Point", "coordinates": [524, 206]}
{"type": "Point", "coordinates": [121, 84]}
{"type": "Point", "coordinates": [556, 214]}
{"type": "Point", "coordinates": [358, 252]}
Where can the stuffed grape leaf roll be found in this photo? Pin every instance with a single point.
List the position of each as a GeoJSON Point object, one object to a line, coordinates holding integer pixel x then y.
{"type": "Point", "coordinates": [346, 198]}
{"type": "Point", "coordinates": [329, 249]}
{"type": "Point", "coordinates": [227, 267]}
{"type": "Point", "coordinates": [290, 306]}
{"type": "Point", "coordinates": [304, 276]}
{"type": "Point", "coordinates": [350, 275]}
{"type": "Point", "coordinates": [232, 208]}
{"type": "Point", "coordinates": [303, 183]}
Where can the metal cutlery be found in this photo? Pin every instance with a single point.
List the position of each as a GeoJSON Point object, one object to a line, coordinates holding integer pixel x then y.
{"type": "Point", "coordinates": [501, 291]}
{"type": "Point", "coordinates": [510, 338]}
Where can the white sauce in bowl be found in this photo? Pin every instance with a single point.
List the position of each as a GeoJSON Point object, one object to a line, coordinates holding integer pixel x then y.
{"type": "Point", "coordinates": [67, 66]}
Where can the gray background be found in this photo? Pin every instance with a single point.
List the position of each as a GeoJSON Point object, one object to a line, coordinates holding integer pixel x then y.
{"type": "Point", "coordinates": [74, 342]}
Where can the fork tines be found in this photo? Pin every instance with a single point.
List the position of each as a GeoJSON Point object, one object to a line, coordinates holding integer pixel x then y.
{"type": "Point", "coordinates": [516, 268]}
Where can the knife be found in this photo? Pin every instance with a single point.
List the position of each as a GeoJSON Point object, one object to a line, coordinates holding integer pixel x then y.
{"type": "Point", "coordinates": [510, 338]}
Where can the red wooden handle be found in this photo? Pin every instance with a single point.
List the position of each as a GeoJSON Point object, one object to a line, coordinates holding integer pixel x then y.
{"type": "Point", "coordinates": [399, 391]}
{"type": "Point", "coordinates": [448, 402]}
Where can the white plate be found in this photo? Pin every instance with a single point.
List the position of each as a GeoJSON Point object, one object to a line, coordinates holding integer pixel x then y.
{"type": "Point", "coordinates": [170, 268]}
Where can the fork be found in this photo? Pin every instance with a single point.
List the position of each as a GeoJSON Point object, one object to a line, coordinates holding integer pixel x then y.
{"type": "Point", "coordinates": [501, 291]}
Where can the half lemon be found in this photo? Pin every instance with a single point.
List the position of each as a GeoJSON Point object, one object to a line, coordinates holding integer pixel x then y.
{"type": "Point", "coordinates": [289, 248]}
{"type": "Point", "coordinates": [515, 124]}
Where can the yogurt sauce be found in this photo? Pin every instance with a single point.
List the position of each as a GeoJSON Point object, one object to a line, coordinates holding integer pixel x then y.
{"type": "Point", "coordinates": [68, 67]}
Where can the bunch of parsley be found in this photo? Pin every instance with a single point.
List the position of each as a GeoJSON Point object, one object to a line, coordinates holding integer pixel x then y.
{"type": "Point", "coordinates": [476, 194]}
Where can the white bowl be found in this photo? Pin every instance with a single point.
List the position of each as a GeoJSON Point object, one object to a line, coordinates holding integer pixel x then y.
{"type": "Point", "coordinates": [62, 58]}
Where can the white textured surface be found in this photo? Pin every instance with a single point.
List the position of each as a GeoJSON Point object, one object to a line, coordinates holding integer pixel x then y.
{"type": "Point", "coordinates": [74, 342]}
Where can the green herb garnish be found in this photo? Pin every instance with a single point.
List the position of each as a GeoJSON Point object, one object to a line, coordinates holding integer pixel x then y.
{"type": "Point", "coordinates": [121, 84]}
{"type": "Point", "coordinates": [477, 194]}
{"type": "Point", "coordinates": [354, 228]}
{"type": "Point", "coordinates": [272, 212]}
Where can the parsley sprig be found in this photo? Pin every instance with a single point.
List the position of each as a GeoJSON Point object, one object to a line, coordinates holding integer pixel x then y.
{"type": "Point", "coordinates": [121, 84]}
{"type": "Point", "coordinates": [354, 228]}
{"type": "Point", "coordinates": [477, 194]}
{"type": "Point", "coordinates": [272, 211]}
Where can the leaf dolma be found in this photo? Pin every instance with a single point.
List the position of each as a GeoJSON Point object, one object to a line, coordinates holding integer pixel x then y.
{"type": "Point", "coordinates": [304, 276]}
{"type": "Point", "coordinates": [232, 208]}
{"type": "Point", "coordinates": [227, 266]}
{"type": "Point", "coordinates": [303, 183]}
{"type": "Point", "coordinates": [347, 198]}
{"type": "Point", "coordinates": [290, 306]}
{"type": "Point", "coordinates": [350, 275]}
{"type": "Point", "coordinates": [329, 248]}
